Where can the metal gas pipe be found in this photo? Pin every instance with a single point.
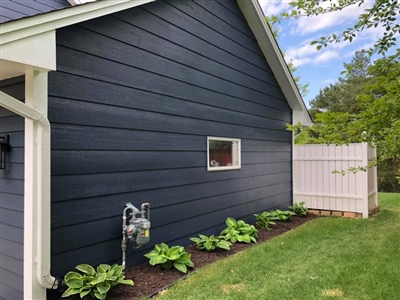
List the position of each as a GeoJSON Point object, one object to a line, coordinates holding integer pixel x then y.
{"type": "Point", "coordinates": [135, 230]}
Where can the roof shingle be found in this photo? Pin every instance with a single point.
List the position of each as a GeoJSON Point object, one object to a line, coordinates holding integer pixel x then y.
{"type": "Point", "coordinates": [11, 10]}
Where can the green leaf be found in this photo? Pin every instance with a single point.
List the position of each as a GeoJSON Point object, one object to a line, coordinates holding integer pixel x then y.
{"type": "Point", "coordinates": [180, 267]}
{"type": "Point", "coordinates": [126, 281]}
{"type": "Point", "coordinates": [190, 264]}
{"type": "Point", "coordinates": [100, 296]}
{"type": "Point", "coordinates": [174, 253]}
{"type": "Point", "coordinates": [75, 283]}
{"type": "Point", "coordinates": [157, 260]}
{"type": "Point", "coordinates": [111, 277]}
{"type": "Point", "coordinates": [230, 222]}
{"type": "Point", "coordinates": [152, 254]}
{"type": "Point", "coordinates": [208, 245]}
{"type": "Point", "coordinates": [184, 258]}
{"type": "Point", "coordinates": [72, 275]}
{"type": "Point", "coordinates": [103, 287]}
{"type": "Point", "coordinates": [87, 269]}
{"type": "Point", "coordinates": [196, 240]}
{"type": "Point", "coordinates": [158, 248]}
{"type": "Point", "coordinates": [116, 270]}
{"type": "Point", "coordinates": [203, 237]}
{"type": "Point", "coordinates": [246, 239]}
{"type": "Point", "coordinates": [84, 293]}
{"type": "Point", "coordinates": [224, 245]}
{"type": "Point", "coordinates": [98, 279]}
{"type": "Point", "coordinates": [103, 268]}
{"type": "Point", "coordinates": [70, 292]}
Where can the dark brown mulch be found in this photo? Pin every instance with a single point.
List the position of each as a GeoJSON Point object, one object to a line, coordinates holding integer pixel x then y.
{"type": "Point", "coordinates": [150, 280]}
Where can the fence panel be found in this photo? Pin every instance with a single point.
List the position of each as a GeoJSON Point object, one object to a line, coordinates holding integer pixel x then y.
{"type": "Point", "coordinates": [316, 184]}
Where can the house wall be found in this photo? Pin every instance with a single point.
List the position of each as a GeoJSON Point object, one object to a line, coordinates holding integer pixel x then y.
{"type": "Point", "coordinates": [12, 197]}
{"type": "Point", "coordinates": [134, 97]}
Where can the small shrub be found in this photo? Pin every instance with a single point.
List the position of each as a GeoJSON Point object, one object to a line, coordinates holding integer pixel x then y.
{"type": "Point", "coordinates": [264, 220]}
{"type": "Point", "coordinates": [175, 257]}
{"type": "Point", "coordinates": [282, 215]}
{"type": "Point", "coordinates": [239, 231]}
{"type": "Point", "coordinates": [299, 209]}
{"type": "Point", "coordinates": [95, 283]}
{"type": "Point", "coordinates": [211, 243]}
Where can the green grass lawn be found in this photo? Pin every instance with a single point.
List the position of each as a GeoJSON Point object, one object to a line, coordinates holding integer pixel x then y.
{"type": "Point", "coordinates": [326, 258]}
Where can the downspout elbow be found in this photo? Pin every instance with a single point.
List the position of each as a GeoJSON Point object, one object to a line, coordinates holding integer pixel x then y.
{"type": "Point", "coordinates": [50, 282]}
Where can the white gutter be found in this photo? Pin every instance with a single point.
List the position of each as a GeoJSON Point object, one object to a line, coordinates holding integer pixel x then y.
{"type": "Point", "coordinates": [42, 197]}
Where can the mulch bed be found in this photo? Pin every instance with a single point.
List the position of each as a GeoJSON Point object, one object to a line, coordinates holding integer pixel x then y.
{"type": "Point", "coordinates": [150, 280]}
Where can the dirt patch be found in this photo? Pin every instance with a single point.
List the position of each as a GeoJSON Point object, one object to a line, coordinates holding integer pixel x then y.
{"type": "Point", "coordinates": [240, 287]}
{"type": "Point", "coordinates": [151, 280]}
{"type": "Point", "coordinates": [333, 293]}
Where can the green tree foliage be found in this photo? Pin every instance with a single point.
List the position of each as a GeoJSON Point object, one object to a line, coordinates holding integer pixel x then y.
{"type": "Point", "coordinates": [383, 13]}
{"type": "Point", "coordinates": [341, 96]}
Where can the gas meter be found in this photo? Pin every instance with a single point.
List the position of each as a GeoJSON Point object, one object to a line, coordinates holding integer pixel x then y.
{"type": "Point", "coordinates": [135, 230]}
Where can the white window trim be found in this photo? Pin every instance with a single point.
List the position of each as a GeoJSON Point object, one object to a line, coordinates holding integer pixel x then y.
{"type": "Point", "coordinates": [239, 156]}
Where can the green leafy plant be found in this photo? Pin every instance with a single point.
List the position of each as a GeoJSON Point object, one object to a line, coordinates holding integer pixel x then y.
{"type": "Point", "coordinates": [211, 243]}
{"type": "Point", "coordinates": [95, 283]}
{"type": "Point", "coordinates": [175, 257]}
{"type": "Point", "coordinates": [282, 215]}
{"type": "Point", "coordinates": [299, 209]}
{"type": "Point", "coordinates": [265, 220]}
{"type": "Point", "coordinates": [239, 231]}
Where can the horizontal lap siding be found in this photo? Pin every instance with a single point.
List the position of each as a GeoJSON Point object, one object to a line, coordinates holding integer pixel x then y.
{"type": "Point", "coordinates": [135, 96]}
{"type": "Point", "coordinates": [12, 197]}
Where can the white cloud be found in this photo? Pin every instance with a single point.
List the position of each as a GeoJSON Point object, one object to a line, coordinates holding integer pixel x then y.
{"type": "Point", "coordinates": [326, 56]}
{"type": "Point", "coordinates": [299, 61]}
{"type": "Point", "coordinates": [306, 25]}
{"type": "Point", "coordinates": [307, 54]}
{"type": "Point", "coordinates": [271, 7]}
{"type": "Point", "coordinates": [304, 50]}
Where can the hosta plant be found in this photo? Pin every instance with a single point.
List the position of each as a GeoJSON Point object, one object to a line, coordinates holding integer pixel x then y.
{"type": "Point", "coordinates": [264, 220]}
{"type": "Point", "coordinates": [282, 215]}
{"type": "Point", "coordinates": [299, 209]}
{"type": "Point", "coordinates": [211, 243]}
{"type": "Point", "coordinates": [175, 257]}
{"type": "Point", "coordinates": [95, 283]}
{"type": "Point", "coordinates": [239, 231]}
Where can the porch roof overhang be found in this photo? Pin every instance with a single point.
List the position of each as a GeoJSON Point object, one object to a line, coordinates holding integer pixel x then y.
{"type": "Point", "coordinates": [30, 42]}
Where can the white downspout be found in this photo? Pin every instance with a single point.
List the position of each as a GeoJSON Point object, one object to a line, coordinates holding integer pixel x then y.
{"type": "Point", "coordinates": [42, 226]}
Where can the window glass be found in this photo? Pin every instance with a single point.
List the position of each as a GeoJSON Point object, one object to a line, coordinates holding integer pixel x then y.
{"type": "Point", "coordinates": [223, 154]}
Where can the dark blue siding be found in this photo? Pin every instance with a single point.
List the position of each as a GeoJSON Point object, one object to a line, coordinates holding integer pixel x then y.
{"type": "Point", "coordinates": [12, 198]}
{"type": "Point", "coordinates": [132, 102]}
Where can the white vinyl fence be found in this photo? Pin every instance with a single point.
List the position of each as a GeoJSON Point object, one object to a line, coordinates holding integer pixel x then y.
{"type": "Point", "coordinates": [316, 185]}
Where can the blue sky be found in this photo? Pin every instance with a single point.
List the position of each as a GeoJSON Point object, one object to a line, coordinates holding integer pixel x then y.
{"type": "Point", "coordinates": [319, 68]}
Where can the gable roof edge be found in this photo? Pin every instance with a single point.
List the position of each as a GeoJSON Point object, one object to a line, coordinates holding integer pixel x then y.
{"type": "Point", "coordinates": [272, 53]}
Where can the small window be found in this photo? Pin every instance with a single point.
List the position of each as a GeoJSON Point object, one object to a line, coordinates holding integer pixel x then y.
{"type": "Point", "coordinates": [223, 154]}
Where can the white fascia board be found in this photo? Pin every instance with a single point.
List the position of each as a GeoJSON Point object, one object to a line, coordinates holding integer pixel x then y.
{"type": "Point", "coordinates": [256, 20]}
{"type": "Point", "coordinates": [20, 29]}
{"type": "Point", "coordinates": [38, 51]}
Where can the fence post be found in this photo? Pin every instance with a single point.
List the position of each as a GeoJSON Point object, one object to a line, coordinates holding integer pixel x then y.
{"type": "Point", "coordinates": [375, 170]}
{"type": "Point", "coordinates": [364, 163]}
